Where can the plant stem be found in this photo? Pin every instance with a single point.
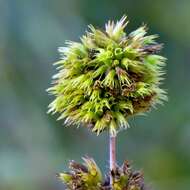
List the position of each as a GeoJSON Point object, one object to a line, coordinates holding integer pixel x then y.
{"type": "Point", "coordinates": [112, 155]}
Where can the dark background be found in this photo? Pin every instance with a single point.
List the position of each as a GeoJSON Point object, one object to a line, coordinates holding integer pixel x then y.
{"type": "Point", "coordinates": [33, 146]}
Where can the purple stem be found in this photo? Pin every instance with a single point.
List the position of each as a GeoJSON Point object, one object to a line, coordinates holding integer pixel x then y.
{"type": "Point", "coordinates": [112, 155]}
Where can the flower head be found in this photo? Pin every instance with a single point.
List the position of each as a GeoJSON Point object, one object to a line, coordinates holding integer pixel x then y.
{"type": "Point", "coordinates": [87, 176]}
{"type": "Point", "coordinates": [108, 77]}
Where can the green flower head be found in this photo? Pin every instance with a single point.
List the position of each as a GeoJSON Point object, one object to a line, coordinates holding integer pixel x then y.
{"type": "Point", "coordinates": [108, 77]}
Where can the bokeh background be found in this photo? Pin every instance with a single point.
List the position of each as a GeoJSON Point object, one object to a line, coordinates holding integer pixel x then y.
{"type": "Point", "coordinates": [33, 146]}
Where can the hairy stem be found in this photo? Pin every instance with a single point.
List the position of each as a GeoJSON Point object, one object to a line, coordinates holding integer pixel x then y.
{"type": "Point", "coordinates": [112, 155]}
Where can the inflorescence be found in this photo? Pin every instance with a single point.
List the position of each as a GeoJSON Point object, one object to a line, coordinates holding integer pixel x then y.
{"type": "Point", "coordinates": [87, 176]}
{"type": "Point", "coordinates": [108, 77]}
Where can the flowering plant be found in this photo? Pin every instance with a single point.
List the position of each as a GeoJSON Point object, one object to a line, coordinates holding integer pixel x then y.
{"type": "Point", "coordinates": [101, 82]}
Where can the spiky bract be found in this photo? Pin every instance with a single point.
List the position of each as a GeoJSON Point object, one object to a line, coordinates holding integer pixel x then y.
{"type": "Point", "coordinates": [108, 77]}
{"type": "Point", "coordinates": [87, 176]}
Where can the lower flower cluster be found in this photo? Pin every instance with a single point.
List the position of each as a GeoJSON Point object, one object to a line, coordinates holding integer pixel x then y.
{"type": "Point", "coordinates": [87, 176]}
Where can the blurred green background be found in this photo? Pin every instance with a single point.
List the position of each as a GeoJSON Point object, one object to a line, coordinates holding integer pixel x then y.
{"type": "Point", "coordinates": [33, 146]}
